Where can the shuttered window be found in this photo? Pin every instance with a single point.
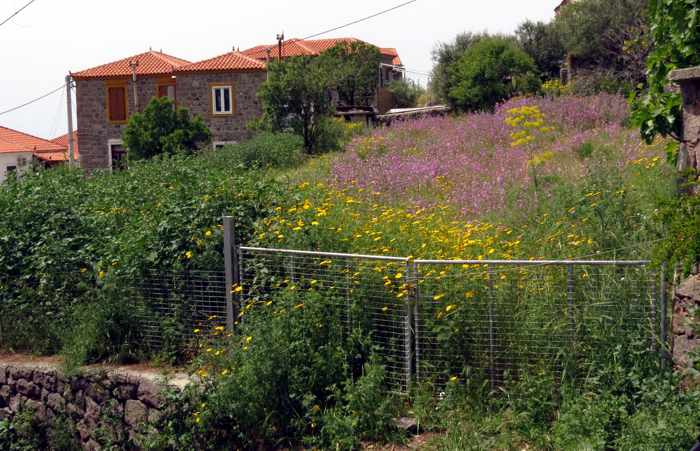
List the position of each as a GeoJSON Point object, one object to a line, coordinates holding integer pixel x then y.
{"type": "Point", "coordinates": [117, 103]}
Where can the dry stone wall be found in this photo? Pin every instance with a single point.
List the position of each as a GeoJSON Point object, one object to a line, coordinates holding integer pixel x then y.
{"type": "Point", "coordinates": [102, 407]}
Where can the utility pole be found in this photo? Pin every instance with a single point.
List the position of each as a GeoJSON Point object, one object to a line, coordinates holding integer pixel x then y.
{"type": "Point", "coordinates": [134, 64]}
{"type": "Point", "coordinates": [69, 105]}
{"type": "Point", "coordinates": [280, 39]}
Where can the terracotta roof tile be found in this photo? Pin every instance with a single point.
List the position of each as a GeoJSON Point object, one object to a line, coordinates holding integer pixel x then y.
{"type": "Point", "coordinates": [232, 61]}
{"type": "Point", "coordinates": [298, 47]}
{"type": "Point", "coordinates": [150, 63]}
{"type": "Point", "coordinates": [16, 141]}
{"type": "Point", "coordinates": [61, 156]}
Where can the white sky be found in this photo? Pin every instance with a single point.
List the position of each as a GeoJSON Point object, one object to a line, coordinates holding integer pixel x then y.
{"type": "Point", "coordinates": [51, 37]}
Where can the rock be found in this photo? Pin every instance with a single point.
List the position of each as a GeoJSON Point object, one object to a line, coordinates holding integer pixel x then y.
{"type": "Point", "coordinates": [124, 392]}
{"type": "Point", "coordinates": [5, 413]}
{"type": "Point", "coordinates": [92, 410]}
{"type": "Point", "coordinates": [406, 424]}
{"type": "Point", "coordinates": [690, 288]}
{"type": "Point", "coordinates": [17, 373]}
{"type": "Point", "coordinates": [83, 430]}
{"type": "Point", "coordinates": [74, 411]}
{"type": "Point", "coordinates": [3, 375]}
{"type": "Point", "coordinates": [46, 380]}
{"type": "Point", "coordinates": [92, 445]}
{"type": "Point", "coordinates": [97, 392]}
{"type": "Point", "coordinates": [37, 407]}
{"type": "Point", "coordinates": [5, 393]}
{"type": "Point", "coordinates": [56, 402]}
{"type": "Point", "coordinates": [150, 393]}
{"type": "Point", "coordinates": [15, 403]}
{"type": "Point", "coordinates": [29, 389]}
{"type": "Point", "coordinates": [135, 413]}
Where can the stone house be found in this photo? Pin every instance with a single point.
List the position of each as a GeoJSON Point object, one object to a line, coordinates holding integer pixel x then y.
{"type": "Point", "coordinates": [222, 90]}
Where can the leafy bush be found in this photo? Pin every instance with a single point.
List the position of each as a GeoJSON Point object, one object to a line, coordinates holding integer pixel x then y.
{"type": "Point", "coordinates": [269, 150]}
{"type": "Point", "coordinates": [63, 233]}
{"type": "Point", "coordinates": [25, 432]}
{"type": "Point", "coordinates": [267, 385]}
{"type": "Point", "coordinates": [164, 129]}
{"type": "Point", "coordinates": [406, 93]}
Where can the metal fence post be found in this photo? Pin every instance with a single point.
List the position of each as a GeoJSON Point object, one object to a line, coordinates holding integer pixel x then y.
{"type": "Point", "coordinates": [570, 301]}
{"type": "Point", "coordinates": [492, 344]}
{"type": "Point", "coordinates": [664, 319]}
{"type": "Point", "coordinates": [416, 321]}
{"type": "Point", "coordinates": [408, 326]}
{"type": "Point", "coordinates": [231, 268]}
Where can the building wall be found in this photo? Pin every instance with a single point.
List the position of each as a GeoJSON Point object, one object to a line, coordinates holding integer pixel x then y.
{"type": "Point", "coordinates": [194, 93]}
{"type": "Point", "coordinates": [94, 128]}
{"type": "Point", "coordinates": [12, 159]}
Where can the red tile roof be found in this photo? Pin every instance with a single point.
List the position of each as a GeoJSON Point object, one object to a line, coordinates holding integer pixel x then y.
{"type": "Point", "coordinates": [63, 155]}
{"type": "Point", "coordinates": [232, 61]}
{"type": "Point", "coordinates": [150, 63]}
{"type": "Point", "coordinates": [16, 141]}
{"type": "Point", "coordinates": [299, 47]}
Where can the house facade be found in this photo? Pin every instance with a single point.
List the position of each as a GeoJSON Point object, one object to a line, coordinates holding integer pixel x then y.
{"type": "Point", "coordinates": [20, 151]}
{"type": "Point", "coordinates": [221, 90]}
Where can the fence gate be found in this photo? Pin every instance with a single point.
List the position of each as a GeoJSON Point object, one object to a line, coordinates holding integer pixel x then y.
{"type": "Point", "coordinates": [433, 320]}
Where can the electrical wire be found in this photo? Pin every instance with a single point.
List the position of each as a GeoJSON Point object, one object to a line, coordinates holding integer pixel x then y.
{"type": "Point", "coordinates": [16, 12]}
{"type": "Point", "coordinates": [33, 101]}
{"type": "Point", "coordinates": [360, 20]}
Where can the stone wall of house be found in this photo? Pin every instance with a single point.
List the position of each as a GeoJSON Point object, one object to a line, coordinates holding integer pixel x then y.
{"type": "Point", "coordinates": [689, 81]}
{"type": "Point", "coordinates": [100, 406]}
{"type": "Point", "coordinates": [686, 323]}
{"type": "Point", "coordinates": [94, 128]}
{"type": "Point", "coordinates": [194, 93]}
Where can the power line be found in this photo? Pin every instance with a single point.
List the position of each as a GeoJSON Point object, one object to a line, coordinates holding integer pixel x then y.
{"type": "Point", "coordinates": [16, 12]}
{"type": "Point", "coordinates": [361, 20]}
{"type": "Point", "coordinates": [33, 101]}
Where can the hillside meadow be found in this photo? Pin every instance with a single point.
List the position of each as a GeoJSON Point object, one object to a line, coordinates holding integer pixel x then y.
{"type": "Point", "coordinates": [538, 178]}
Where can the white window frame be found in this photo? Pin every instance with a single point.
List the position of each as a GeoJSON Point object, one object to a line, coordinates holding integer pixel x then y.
{"type": "Point", "coordinates": [217, 144]}
{"type": "Point", "coordinates": [218, 90]}
{"type": "Point", "coordinates": [110, 143]}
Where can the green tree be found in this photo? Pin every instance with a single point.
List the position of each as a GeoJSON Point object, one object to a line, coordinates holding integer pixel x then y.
{"type": "Point", "coordinates": [675, 26]}
{"type": "Point", "coordinates": [490, 71]}
{"type": "Point", "coordinates": [352, 71]}
{"type": "Point", "coordinates": [297, 96]}
{"type": "Point", "coordinates": [542, 42]}
{"type": "Point", "coordinates": [604, 34]}
{"type": "Point", "coordinates": [445, 55]}
{"type": "Point", "coordinates": [406, 93]}
{"type": "Point", "coordinates": [163, 128]}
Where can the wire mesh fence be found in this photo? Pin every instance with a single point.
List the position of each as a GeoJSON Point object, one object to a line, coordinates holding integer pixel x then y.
{"type": "Point", "coordinates": [434, 320]}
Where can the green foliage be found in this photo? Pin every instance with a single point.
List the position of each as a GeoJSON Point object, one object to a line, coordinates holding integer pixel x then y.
{"type": "Point", "coordinates": [591, 82]}
{"type": "Point", "coordinates": [542, 42]}
{"type": "Point", "coordinates": [269, 150]}
{"type": "Point", "coordinates": [676, 44]}
{"type": "Point", "coordinates": [104, 329]}
{"type": "Point", "coordinates": [406, 93]}
{"type": "Point", "coordinates": [446, 55]}
{"type": "Point", "coordinates": [164, 129]}
{"type": "Point", "coordinates": [64, 234]}
{"type": "Point", "coordinates": [490, 71]}
{"type": "Point", "coordinates": [269, 385]}
{"type": "Point", "coordinates": [351, 69]}
{"type": "Point", "coordinates": [297, 96]}
{"type": "Point", "coordinates": [25, 432]}
{"type": "Point", "coordinates": [605, 35]}
{"type": "Point", "coordinates": [681, 219]}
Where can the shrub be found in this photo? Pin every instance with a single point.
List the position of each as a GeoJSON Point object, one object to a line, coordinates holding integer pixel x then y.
{"type": "Point", "coordinates": [269, 150]}
{"type": "Point", "coordinates": [164, 129]}
{"type": "Point", "coordinates": [406, 93]}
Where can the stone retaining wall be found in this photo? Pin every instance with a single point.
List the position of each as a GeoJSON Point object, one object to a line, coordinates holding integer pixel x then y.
{"type": "Point", "coordinates": [102, 407]}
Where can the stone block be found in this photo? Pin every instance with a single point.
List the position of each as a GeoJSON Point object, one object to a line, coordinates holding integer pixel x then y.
{"type": "Point", "coordinates": [3, 374]}
{"type": "Point", "coordinates": [5, 413]}
{"type": "Point", "coordinates": [92, 410]}
{"type": "Point", "coordinates": [74, 411]}
{"type": "Point", "coordinates": [56, 402]}
{"type": "Point", "coordinates": [135, 413]}
{"type": "Point", "coordinates": [5, 393]}
{"type": "Point", "coordinates": [28, 389]}
{"type": "Point", "coordinates": [150, 393]}
{"type": "Point", "coordinates": [37, 407]}
{"type": "Point", "coordinates": [92, 445]}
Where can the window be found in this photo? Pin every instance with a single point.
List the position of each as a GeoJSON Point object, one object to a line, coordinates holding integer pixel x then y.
{"type": "Point", "coordinates": [116, 103]}
{"type": "Point", "coordinates": [222, 100]}
{"type": "Point", "coordinates": [21, 162]}
{"type": "Point", "coordinates": [117, 155]}
{"type": "Point", "coordinates": [166, 89]}
{"type": "Point", "coordinates": [11, 169]}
